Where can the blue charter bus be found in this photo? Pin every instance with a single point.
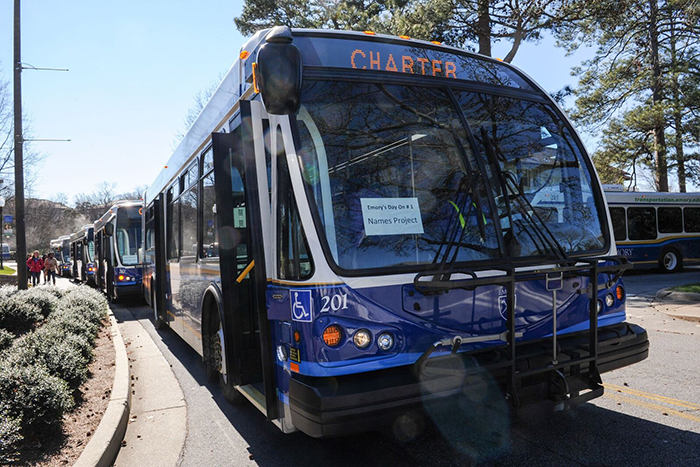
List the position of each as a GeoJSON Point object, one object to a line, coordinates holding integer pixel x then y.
{"type": "Point", "coordinates": [117, 250]}
{"type": "Point", "coordinates": [347, 234]}
{"type": "Point", "coordinates": [82, 245]}
{"type": "Point", "coordinates": [656, 230]}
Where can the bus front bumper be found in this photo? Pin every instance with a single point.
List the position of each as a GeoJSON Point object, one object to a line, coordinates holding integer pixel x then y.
{"type": "Point", "coordinates": [333, 406]}
{"type": "Point", "coordinates": [132, 289]}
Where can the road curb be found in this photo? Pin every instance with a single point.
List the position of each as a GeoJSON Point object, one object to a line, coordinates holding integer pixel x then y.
{"type": "Point", "coordinates": [671, 295]}
{"type": "Point", "coordinates": [677, 304]}
{"type": "Point", "coordinates": [104, 446]}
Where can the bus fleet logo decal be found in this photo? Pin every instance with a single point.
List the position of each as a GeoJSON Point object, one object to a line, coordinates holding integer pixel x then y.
{"type": "Point", "coordinates": [624, 251]}
{"type": "Point", "coordinates": [301, 305]}
{"type": "Point", "coordinates": [503, 302]}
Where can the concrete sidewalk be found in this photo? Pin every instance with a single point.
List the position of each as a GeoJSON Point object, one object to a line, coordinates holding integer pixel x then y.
{"type": "Point", "coordinates": [158, 420]}
{"type": "Point", "coordinates": [680, 305]}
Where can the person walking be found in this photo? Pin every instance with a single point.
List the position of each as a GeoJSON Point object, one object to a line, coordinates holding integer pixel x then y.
{"type": "Point", "coordinates": [35, 265]}
{"type": "Point", "coordinates": [43, 258]}
{"type": "Point", "coordinates": [29, 269]}
{"type": "Point", "coordinates": [50, 269]}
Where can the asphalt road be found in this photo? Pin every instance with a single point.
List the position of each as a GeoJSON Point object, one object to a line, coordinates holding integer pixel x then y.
{"type": "Point", "coordinates": [649, 415]}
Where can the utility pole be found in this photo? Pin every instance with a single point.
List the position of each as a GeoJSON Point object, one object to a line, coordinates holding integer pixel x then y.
{"type": "Point", "coordinates": [20, 236]}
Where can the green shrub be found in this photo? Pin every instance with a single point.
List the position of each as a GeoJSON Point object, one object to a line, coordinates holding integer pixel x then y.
{"type": "Point", "coordinates": [17, 315]}
{"type": "Point", "coordinates": [59, 357]}
{"type": "Point", "coordinates": [35, 397]}
{"type": "Point", "coordinates": [7, 291]}
{"type": "Point", "coordinates": [50, 333]}
{"type": "Point", "coordinates": [53, 290]}
{"type": "Point", "coordinates": [6, 338]}
{"type": "Point", "coordinates": [72, 321]}
{"type": "Point", "coordinates": [42, 298]}
{"type": "Point", "coordinates": [9, 435]}
{"type": "Point", "coordinates": [87, 302]}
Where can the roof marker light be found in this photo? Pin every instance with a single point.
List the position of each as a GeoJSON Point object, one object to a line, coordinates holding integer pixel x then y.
{"type": "Point", "coordinates": [436, 42]}
{"type": "Point", "coordinates": [404, 37]}
{"type": "Point", "coordinates": [244, 55]}
{"type": "Point", "coordinates": [370, 33]}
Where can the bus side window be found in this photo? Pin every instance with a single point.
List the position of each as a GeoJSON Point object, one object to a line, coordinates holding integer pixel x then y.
{"type": "Point", "coordinates": [150, 228]}
{"type": "Point", "coordinates": [670, 220]}
{"type": "Point", "coordinates": [188, 211]}
{"type": "Point", "coordinates": [173, 223]}
{"type": "Point", "coordinates": [268, 156]}
{"type": "Point", "coordinates": [641, 223]}
{"type": "Point", "coordinates": [691, 218]}
{"type": "Point", "coordinates": [619, 223]}
{"type": "Point", "coordinates": [210, 243]}
{"type": "Point", "coordinates": [294, 260]}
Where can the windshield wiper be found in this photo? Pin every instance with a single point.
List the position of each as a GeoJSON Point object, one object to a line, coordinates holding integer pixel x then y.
{"type": "Point", "coordinates": [525, 206]}
{"type": "Point", "coordinates": [448, 251]}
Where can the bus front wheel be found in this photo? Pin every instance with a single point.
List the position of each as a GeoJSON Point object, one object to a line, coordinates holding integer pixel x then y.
{"type": "Point", "coordinates": [215, 345]}
{"type": "Point", "coordinates": [670, 260]}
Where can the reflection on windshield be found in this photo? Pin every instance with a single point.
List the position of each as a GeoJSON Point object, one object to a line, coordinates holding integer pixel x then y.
{"type": "Point", "coordinates": [541, 183]}
{"type": "Point", "coordinates": [128, 235]}
{"type": "Point", "coordinates": [392, 179]}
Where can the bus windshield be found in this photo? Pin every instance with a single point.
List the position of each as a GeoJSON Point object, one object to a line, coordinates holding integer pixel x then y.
{"type": "Point", "coordinates": [394, 180]}
{"type": "Point", "coordinates": [128, 235]}
{"type": "Point", "coordinates": [90, 251]}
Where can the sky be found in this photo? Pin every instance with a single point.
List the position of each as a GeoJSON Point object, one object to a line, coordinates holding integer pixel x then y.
{"type": "Point", "coordinates": [135, 68]}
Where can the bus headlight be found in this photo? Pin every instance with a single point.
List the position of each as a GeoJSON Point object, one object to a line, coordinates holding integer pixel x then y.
{"type": "Point", "coordinates": [385, 341]}
{"type": "Point", "coordinates": [281, 353]}
{"type": "Point", "coordinates": [609, 300]}
{"type": "Point", "coordinates": [362, 339]}
{"type": "Point", "coordinates": [599, 306]}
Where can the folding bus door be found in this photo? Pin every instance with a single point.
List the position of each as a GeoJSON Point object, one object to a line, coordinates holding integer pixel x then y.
{"type": "Point", "coordinates": [242, 263]}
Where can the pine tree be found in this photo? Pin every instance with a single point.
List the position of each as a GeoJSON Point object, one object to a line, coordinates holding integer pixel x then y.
{"type": "Point", "coordinates": [638, 84]}
{"type": "Point", "coordinates": [462, 23]}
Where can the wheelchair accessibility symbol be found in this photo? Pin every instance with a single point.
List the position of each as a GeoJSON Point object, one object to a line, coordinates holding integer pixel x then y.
{"type": "Point", "coordinates": [301, 305]}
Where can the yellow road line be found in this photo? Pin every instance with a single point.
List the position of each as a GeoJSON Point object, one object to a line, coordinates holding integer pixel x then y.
{"type": "Point", "coordinates": [655, 397]}
{"type": "Point", "coordinates": [658, 408]}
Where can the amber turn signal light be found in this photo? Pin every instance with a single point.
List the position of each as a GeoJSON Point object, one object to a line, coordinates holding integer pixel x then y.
{"type": "Point", "coordinates": [332, 335]}
{"type": "Point", "coordinates": [620, 292]}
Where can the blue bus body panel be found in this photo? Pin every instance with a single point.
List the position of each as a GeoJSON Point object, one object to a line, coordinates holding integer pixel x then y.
{"type": "Point", "coordinates": [416, 321]}
{"type": "Point", "coordinates": [646, 255]}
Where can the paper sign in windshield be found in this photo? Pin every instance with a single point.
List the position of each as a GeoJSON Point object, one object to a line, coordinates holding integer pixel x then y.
{"type": "Point", "coordinates": [391, 216]}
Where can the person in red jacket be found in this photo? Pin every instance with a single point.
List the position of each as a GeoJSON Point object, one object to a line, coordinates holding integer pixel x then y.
{"type": "Point", "coordinates": [35, 265]}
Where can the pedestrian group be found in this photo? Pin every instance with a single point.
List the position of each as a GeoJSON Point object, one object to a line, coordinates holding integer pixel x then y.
{"type": "Point", "coordinates": [36, 265]}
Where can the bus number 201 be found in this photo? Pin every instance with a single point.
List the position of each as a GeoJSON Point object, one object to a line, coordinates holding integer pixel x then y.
{"type": "Point", "coordinates": [335, 302]}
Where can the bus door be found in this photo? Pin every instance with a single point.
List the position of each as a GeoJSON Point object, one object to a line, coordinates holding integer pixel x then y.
{"type": "Point", "coordinates": [250, 364]}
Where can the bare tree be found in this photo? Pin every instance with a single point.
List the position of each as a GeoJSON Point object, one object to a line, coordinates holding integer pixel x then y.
{"type": "Point", "coordinates": [200, 100]}
{"type": "Point", "coordinates": [7, 147]}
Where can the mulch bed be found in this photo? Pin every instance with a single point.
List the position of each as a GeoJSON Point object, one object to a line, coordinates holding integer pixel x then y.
{"type": "Point", "coordinates": [91, 401]}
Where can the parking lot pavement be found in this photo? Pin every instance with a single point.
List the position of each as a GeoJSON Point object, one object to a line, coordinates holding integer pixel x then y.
{"type": "Point", "coordinates": [649, 415]}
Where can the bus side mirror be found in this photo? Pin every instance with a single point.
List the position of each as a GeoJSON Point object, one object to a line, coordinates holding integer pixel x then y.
{"type": "Point", "coordinates": [109, 229]}
{"type": "Point", "coordinates": [278, 72]}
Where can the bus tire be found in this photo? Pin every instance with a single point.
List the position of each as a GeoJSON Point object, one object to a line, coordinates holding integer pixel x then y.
{"type": "Point", "coordinates": [670, 260]}
{"type": "Point", "coordinates": [212, 357]}
{"type": "Point", "coordinates": [158, 322]}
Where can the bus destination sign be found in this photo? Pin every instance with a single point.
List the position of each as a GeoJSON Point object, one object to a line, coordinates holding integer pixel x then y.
{"type": "Point", "coordinates": [411, 58]}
